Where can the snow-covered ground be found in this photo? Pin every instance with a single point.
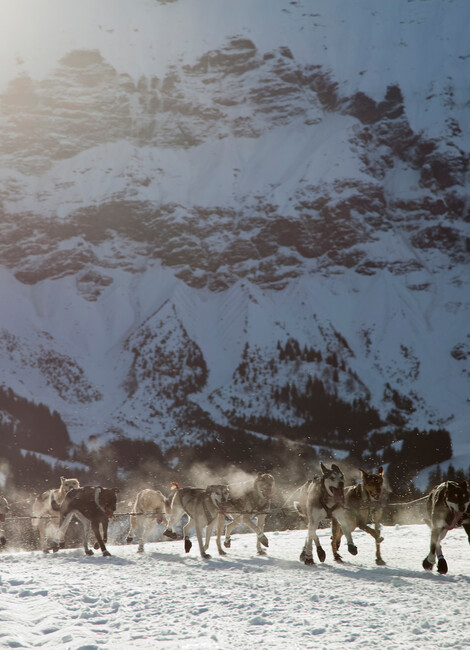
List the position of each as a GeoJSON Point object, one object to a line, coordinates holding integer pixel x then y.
{"type": "Point", "coordinates": [166, 599]}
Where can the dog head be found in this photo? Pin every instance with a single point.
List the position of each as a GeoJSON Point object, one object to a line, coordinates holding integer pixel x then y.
{"type": "Point", "coordinates": [4, 508]}
{"type": "Point", "coordinates": [265, 485]}
{"type": "Point", "coordinates": [219, 494]}
{"type": "Point", "coordinates": [457, 496]}
{"type": "Point", "coordinates": [67, 484]}
{"type": "Point", "coordinates": [373, 484]}
{"type": "Point", "coordinates": [333, 480]}
{"type": "Point", "coordinates": [106, 499]}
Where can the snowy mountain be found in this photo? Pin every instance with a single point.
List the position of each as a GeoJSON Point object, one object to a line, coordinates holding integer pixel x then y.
{"type": "Point", "coordinates": [189, 188]}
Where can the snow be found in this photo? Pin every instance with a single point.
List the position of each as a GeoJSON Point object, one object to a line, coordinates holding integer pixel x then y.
{"type": "Point", "coordinates": [166, 599]}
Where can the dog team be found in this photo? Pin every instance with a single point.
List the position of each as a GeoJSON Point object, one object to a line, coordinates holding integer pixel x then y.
{"type": "Point", "coordinates": [229, 506]}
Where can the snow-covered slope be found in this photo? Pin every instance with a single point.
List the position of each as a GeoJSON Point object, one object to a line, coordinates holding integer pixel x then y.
{"type": "Point", "coordinates": [180, 180]}
{"type": "Point", "coordinates": [166, 599]}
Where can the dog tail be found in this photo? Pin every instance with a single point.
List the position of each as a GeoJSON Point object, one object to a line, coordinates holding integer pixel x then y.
{"type": "Point", "coordinates": [175, 485]}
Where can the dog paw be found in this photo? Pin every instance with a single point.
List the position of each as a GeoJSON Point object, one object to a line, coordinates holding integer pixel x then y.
{"type": "Point", "coordinates": [308, 560]}
{"type": "Point", "coordinates": [379, 562]}
{"type": "Point", "coordinates": [442, 566]}
{"type": "Point", "coordinates": [55, 547]}
{"type": "Point", "coordinates": [222, 552]}
{"type": "Point", "coordinates": [89, 552]}
{"type": "Point", "coordinates": [338, 558]}
{"type": "Point", "coordinates": [106, 553]}
{"type": "Point", "coordinates": [129, 540]}
{"type": "Point", "coordinates": [227, 543]}
{"type": "Point", "coordinates": [321, 554]}
{"type": "Point", "coordinates": [264, 540]}
{"type": "Point", "coordinates": [261, 551]}
{"type": "Point", "coordinates": [169, 533]}
{"type": "Point", "coordinates": [96, 546]}
{"type": "Point", "coordinates": [187, 545]}
{"type": "Point", "coordinates": [206, 556]}
{"type": "Point", "coordinates": [140, 549]}
{"type": "Point", "coordinates": [352, 548]}
{"type": "Point", "coordinates": [427, 564]}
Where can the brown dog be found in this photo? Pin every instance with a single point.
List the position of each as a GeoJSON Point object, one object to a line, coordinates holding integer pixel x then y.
{"type": "Point", "coordinates": [151, 507]}
{"type": "Point", "coordinates": [362, 502]}
{"type": "Point", "coordinates": [248, 500]}
{"type": "Point", "coordinates": [93, 505]}
{"type": "Point", "coordinates": [43, 510]}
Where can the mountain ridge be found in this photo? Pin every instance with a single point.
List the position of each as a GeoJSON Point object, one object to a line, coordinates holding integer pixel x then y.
{"type": "Point", "coordinates": [163, 229]}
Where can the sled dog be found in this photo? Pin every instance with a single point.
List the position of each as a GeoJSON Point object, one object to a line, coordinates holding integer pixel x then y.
{"type": "Point", "coordinates": [93, 505]}
{"type": "Point", "coordinates": [320, 498]}
{"type": "Point", "coordinates": [42, 509]}
{"type": "Point", "coordinates": [151, 507]}
{"type": "Point", "coordinates": [448, 506]}
{"type": "Point", "coordinates": [252, 499]}
{"type": "Point", "coordinates": [202, 507]}
{"type": "Point", "coordinates": [362, 502]}
{"type": "Point", "coordinates": [4, 508]}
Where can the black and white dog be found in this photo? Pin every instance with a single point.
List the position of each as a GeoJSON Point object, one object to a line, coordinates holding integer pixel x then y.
{"type": "Point", "coordinates": [448, 506]}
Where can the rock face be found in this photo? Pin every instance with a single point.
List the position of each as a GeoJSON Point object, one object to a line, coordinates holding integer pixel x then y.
{"type": "Point", "coordinates": [243, 172]}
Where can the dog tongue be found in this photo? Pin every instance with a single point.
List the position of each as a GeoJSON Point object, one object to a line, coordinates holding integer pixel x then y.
{"type": "Point", "coordinates": [338, 495]}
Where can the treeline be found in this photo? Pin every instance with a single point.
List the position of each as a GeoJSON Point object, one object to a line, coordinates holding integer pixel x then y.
{"type": "Point", "coordinates": [31, 426]}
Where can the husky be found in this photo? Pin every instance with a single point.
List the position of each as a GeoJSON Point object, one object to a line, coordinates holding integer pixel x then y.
{"type": "Point", "coordinates": [44, 516]}
{"type": "Point", "coordinates": [93, 505]}
{"type": "Point", "coordinates": [320, 498]}
{"type": "Point", "coordinates": [248, 500]}
{"type": "Point", "coordinates": [448, 506]}
{"type": "Point", "coordinates": [150, 507]}
{"type": "Point", "coordinates": [4, 508]}
{"type": "Point", "coordinates": [202, 507]}
{"type": "Point", "coordinates": [361, 502]}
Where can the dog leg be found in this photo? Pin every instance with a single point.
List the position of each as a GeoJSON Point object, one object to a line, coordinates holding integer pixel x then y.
{"type": "Point", "coordinates": [346, 526]}
{"type": "Point", "coordinates": [220, 530]}
{"type": "Point", "coordinates": [466, 527]}
{"type": "Point", "coordinates": [306, 556]}
{"type": "Point", "coordinates": [60, 533]}
{"type": "Point", "coordinates": [132, 527]}
{"type": "Point", "coordinates": [336, 534]}
{"type": "Point", "coordinates": [378, 557]}
{"type": "Point", "coordinates": [200, 540]}
{"type": "Point", "coordinates": [437, 534]}
{"type": "Point", "coordinates": [187, 542]}
{"type": "Point", "coordinates": [228, 530]}
{"type": "Point", "coordinates": [95, 526]}
{"type": "Point", "coordinates": [261, 537]}
{"type": "Point", "coordinates": [177, 513]}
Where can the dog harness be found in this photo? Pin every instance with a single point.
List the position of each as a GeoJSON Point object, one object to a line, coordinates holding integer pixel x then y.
{"type": "Point", "coordinates": [327, 509]}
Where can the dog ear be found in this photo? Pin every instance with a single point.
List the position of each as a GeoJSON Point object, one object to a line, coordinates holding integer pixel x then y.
{"type": "Point", "coordinates": [324, 469]}
{"type": "Point", "coordinates": [363, 472]}
{"type": "Point", "coordinates": [380, 470]}
{"type": "Point", "coordinates": [62, 480]}
{"type": "Point", "coordinates": [336, 468]}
